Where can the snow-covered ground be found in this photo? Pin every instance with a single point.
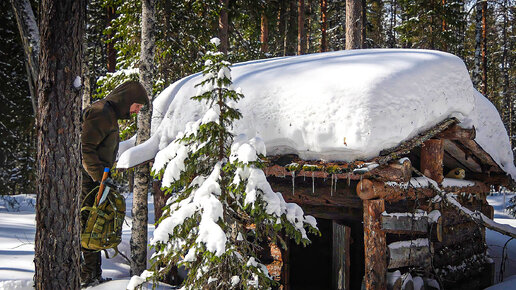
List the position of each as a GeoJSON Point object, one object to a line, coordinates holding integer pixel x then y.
{"type": "Point", "coordinates": [17, 230]}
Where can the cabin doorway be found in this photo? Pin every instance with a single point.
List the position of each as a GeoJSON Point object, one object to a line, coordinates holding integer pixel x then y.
{"type": "Point", "coordinates": [321, 264]}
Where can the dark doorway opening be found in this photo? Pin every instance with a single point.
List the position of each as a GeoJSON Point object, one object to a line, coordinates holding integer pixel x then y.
{"type": "Point", "coordinates": [311, 266]}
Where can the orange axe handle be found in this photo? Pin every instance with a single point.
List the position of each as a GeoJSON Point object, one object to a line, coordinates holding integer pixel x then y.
{"type": "Point", "coordinates": [101, 188]}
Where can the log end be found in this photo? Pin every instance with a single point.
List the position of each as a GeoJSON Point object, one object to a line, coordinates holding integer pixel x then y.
{"type": "Point", "coordinates": [365, 189]}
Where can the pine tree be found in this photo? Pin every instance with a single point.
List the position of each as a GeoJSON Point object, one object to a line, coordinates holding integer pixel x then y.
{"type": "Point", "coordinates": [224, 207]}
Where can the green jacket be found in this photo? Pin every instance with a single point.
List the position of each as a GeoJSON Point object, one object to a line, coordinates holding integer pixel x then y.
{"type": "Point", "coordinates": [100, 133]}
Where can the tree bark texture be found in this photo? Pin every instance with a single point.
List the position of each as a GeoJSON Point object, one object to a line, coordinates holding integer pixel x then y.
{"type": "Point", "coordinates": [301, 37]}
{"type": "Point", "coordinates": [324, 26]}
{"type": "Point", "coordinates": [57, 254]}
{"type": "Point", "coordinates": [375, 245]}
{"type": "Point", "coordinates": [432, 153]}
{"type": "Point", "coordinates": [264, 33]}
{"type": "Point", "coordinates": [29, 35]}
{"type": "Point", "coordinates": [281, 27]}
{"type": "Point", "coordinates": [142, 173]}
{"type": "Point", "coordinates": [354, 24]}
{"type": "Point", "coordinates": [223, 26]}
{"type": "Point", "coordinates": [484, 49]}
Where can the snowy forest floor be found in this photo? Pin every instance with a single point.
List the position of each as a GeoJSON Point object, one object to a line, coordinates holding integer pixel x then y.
{"type": "Point", "coordinates": [18, 227]}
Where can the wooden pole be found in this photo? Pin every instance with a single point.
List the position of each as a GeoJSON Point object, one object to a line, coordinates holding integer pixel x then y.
{"type": "Point", "coordinates": [432, 154]}
{"type": "Point", "coordinates": [375, 246]}
{"type": "Point", "coordinates": [341, 256]}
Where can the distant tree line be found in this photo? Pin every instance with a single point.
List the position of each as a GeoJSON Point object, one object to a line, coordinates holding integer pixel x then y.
{"type": "Point", "coordinates": [481, 32]}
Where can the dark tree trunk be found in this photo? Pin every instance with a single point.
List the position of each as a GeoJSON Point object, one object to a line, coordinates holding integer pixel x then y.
{"type": "Point", "coordinates": [324, 26]}
{"type": "Point", "coordinates": [290, 44]}
{"type": "Point", "coordinates": [57, 253]}
{"type": "Point", "coordinates": [364, 24]}
{"type": "Point", "coordinates": [505, 89]}
{"type": "Point", "coordinates": [484, 48]}
{"type": "Point", "coordinates": [223, 26]}
{"type": "Point", "coordinates": [281, 27]}
{"type": "Point", "coordinates": [29, 35]}
{"type": "Point", "coordinates": [301, 37]}
{"type": "Point", "coordinates": [354, 24]}
{"type": "Point", "coordinates": [142, 173]}
{"type": "Point", "coordinates": [110, 48]}
{"type": "Point", "coordinates": [478, 39]}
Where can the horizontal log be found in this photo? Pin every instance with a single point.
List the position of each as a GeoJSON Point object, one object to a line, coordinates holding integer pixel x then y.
{"type": "Point", "coordinates": [369, 189]}
{"type": "Point", "coordinates": [455, 254]}
{"type": "Point", "coordinates": [394, 171]}
{"type": "Point", "coordinates": [409, 253]}
{"type": "Point", "coordinates": [455, 132]}
{"type": "Point", "coordinates": [403, 223]}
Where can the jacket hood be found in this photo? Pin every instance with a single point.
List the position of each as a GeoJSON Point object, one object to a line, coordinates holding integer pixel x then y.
{"type": "Point", "coordinates": [126, 94]}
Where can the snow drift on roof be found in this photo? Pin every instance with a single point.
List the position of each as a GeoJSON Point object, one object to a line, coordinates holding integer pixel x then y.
{"type": "Point", "coordinates": [343, 105]}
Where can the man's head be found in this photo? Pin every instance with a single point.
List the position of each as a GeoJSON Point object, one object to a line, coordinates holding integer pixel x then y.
{"type": "Point", "coordinates": [128, 98]}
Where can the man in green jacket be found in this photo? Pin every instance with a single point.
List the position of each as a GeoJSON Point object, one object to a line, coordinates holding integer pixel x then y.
{"type": "Point", "coordinates": [100, 138]}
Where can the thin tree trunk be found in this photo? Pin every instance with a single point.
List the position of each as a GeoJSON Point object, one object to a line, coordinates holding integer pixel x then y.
{"type": "Point", "coordinates": [364, 24]}
{"type": "Point", "coordinates": [478, 38]}
{"type": "Point", "coordinates": [301, 37]}
{"type": "Point", "coordinates": [223, 26]}
{"type": "Point", "coordinates": [484, 48]}
{"type": "Point", "coordinates": [142, 173]}
{"type": "Point", "coordinates": [86, 85]}
{"type": "Point", "coordinates": [353, 24]}
{"type": "Point", "coordinates": [324, 26]}
{"type": "Point", "coordinates": [110, 46]}
{"type": "Point", "coordinates": [308, 26]}
{"type": "Point", "coordinates": [281, 27]}
{"type": "Point", "coordinates": [29, 35]}
{"type": "Point", "coordinates": [264, 32]}
{"type": "Point", "coordinates": [505, 89]}
{"type": "Point", "coordinates": [57, 254]}
{"type": "Point", "coordinates": [290, 43]}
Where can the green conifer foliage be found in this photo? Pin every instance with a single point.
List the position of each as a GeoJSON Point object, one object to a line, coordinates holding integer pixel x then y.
{"type": "Point", "coordinates": [222, 207]}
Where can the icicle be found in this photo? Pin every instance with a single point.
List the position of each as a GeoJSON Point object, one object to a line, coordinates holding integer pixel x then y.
{"type": "Point", "coordinates": [349, 179]}
{"type": "Point", "coordinates": [313, 183]}
{"type": "Point", "coordinates": [304, 175]}
{"type": "Point", "coordinates": [293, 179]}
{"type": "Point", "coordinates": [336, 178]}
{"type": "Point", "coordinates": [331, 191]}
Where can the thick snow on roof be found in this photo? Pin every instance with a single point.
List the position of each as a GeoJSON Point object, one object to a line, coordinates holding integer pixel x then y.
{"type": "Point", "coordinates": [344, 105]}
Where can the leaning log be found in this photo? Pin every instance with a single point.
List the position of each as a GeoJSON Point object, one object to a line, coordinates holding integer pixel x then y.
{"type": "Point", "coordinates": [455, 132]}
{"type": "Point", "coordinates": [374, 245]}
{"type": "Point", "coordinates": [409, 253]}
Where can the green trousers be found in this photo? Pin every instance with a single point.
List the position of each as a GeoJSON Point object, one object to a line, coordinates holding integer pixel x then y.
{"type": "Point", "coordinates": [92, 261]}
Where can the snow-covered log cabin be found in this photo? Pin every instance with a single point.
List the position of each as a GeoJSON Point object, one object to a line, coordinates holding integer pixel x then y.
{"type": "Point", "coordinates": [393, 151]}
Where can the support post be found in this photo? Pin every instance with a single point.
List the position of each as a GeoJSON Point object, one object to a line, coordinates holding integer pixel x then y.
{"type": "Point", "coordinates": [432, 154]}
{"type": "Point", "coordinates": [374, 245]}
{"type": "Point", "coordinates": [341, 256]}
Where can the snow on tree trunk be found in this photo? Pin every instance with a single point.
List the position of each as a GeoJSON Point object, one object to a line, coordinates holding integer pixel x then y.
{"type": "Point", "coordinates": [221, 206]}
{"type": "Point", "coordinates": [29, 35]}
{"type": "Point", "coordinates": [353, 24]}
{"type": "Point", "coordinates": [142, 173]}
{"type": "Point", "coordinates": [57, 242]}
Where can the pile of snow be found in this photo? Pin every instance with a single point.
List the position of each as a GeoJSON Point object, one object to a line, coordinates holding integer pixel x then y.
{"type": "Point", "coordinates": [343, 105]}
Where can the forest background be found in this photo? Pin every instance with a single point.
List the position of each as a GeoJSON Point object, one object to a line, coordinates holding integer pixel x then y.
{"type": "Point", "coordinates": [482, 33]}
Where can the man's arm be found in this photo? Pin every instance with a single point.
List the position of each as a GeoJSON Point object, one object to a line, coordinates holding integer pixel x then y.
{"type": "Point", "coordinates": [91, 137]}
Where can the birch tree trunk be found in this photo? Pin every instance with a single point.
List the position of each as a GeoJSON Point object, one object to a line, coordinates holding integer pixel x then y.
{"type": "Point", "coordinates": [57, 254]}
{"type": "Point", "coordinates": [29, 35]}
{"type": "Point", "coordinates": [354, 24]}
{"type": "Point", "coordinates": [142, 173]}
